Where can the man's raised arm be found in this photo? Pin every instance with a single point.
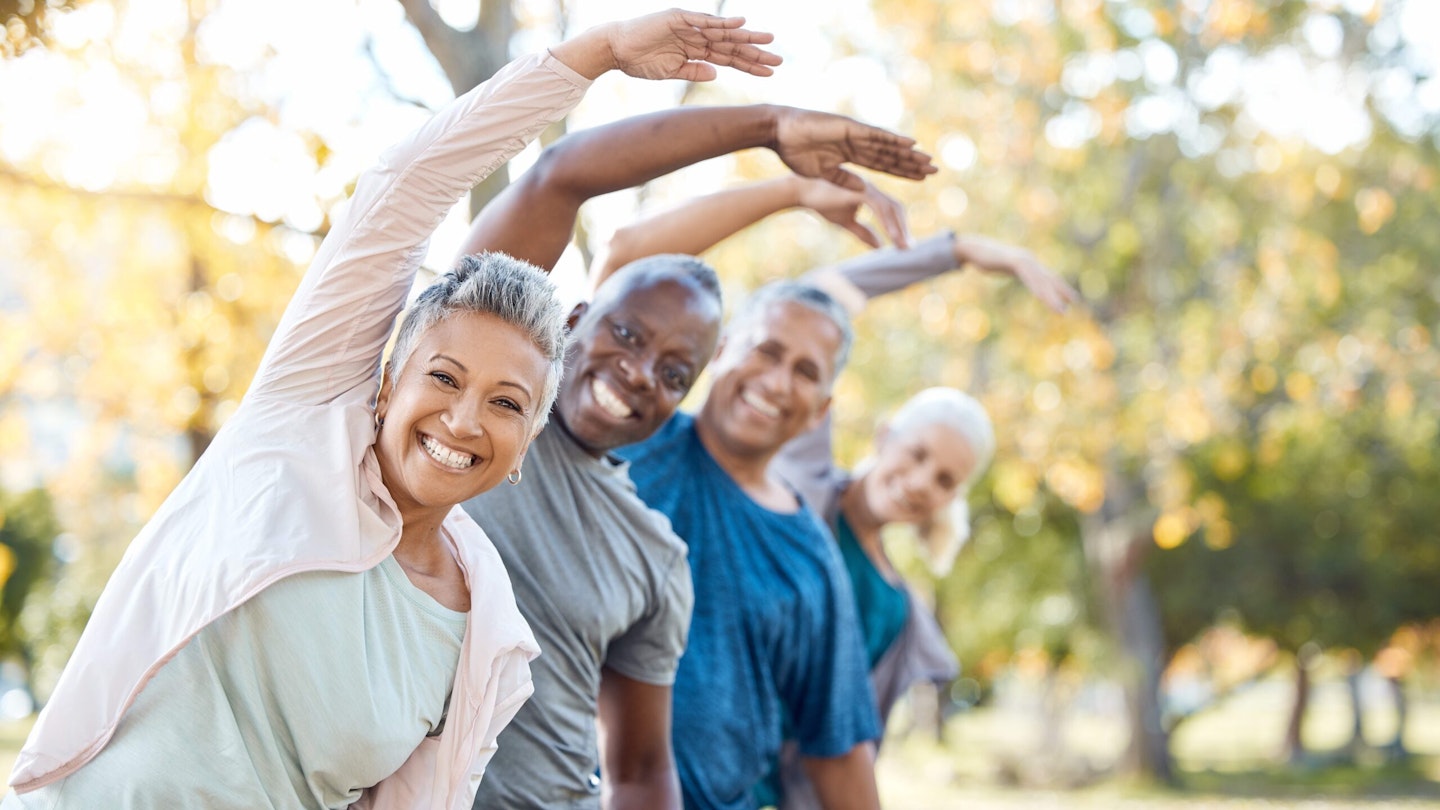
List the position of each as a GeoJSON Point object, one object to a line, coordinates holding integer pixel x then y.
{"type": "Point", "coordinates": [533, 219]}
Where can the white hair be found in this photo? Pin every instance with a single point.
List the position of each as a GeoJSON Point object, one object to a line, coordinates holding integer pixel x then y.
{"type": "Point", "coordinates": [514, 291]}
{"type": "Point", "coordinates": [943, 535]}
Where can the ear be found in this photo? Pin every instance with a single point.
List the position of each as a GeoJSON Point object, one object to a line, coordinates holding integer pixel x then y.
{"type": "Point", "coordinates": [387, 387]}
{"type": "Point", "coordinates": [575, 315]}
{"type": "Point", "coordinates": [819, 415]}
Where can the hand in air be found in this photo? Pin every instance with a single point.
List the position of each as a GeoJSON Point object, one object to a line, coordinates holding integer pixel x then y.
{"type": "Point", "coordinates": [841, 205]}
{"type": "Point", "coordinates": [993, 256]}
{"type": "Point", "coordinates": [816, 144]}
{"type": "Point", "coordinates": [678, 44]}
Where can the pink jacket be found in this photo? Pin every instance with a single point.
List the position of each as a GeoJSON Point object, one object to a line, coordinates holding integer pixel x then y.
{"type": "Point", "coordinates": [291, 484]}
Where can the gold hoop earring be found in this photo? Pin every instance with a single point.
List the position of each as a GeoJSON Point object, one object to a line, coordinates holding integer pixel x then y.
{"type": "Point", "coordinates": [379, 422]}
{"type": "Point", "coordinates": [513, 477]}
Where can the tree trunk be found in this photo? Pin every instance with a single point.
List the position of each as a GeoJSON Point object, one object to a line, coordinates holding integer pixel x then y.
{"type": "Point", "coordinates": [1396, 749]}
{"type": "Point", "coordinates": [1116, 542]}
{"type": "Point", "coordinates": [1294, 750]}
{"type": "Point", "coordinates": [1357, 709]}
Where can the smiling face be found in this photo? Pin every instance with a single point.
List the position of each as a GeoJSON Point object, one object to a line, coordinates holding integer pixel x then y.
{"type": "Point", "coordinates": [772, 379]}
{"type": "Point", "coordinates": [634, 355]}
{"type": "Point", "coordinates": [917, 472]}
{"type": "Point", "coordinates": [460, 414]}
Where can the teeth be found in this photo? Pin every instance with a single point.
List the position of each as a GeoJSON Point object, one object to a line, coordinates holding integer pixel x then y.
{"type": "Point", "coordinates": [445, 455]}
{"type": "Point", "coordinates": [608, 400]}
{"type": "Point", "coordinates": [760, 405]}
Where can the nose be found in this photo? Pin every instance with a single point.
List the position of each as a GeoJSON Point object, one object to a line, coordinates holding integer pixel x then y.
{"type": "Point", "coordinates": [636, 372]}
{"type": "Point", "coordinates": [463, 420]}
{"type": "Point", "coordinates": [776, 380]}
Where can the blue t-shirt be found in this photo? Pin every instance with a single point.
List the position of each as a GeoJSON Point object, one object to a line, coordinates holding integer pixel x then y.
{"type": "Point", "coordinates": [774, 641]}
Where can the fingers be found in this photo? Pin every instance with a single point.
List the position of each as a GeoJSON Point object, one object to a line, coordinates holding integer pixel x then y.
{"type": "Point", "coordinates": [701, 20]}
{"type": "Point", "coordinates": [891, 215]}
{"type": "Point", "coordinates": [697, 72]}
{"type": "Point", "coordinates": [844, 179]}
{"type": "Point", "coordinates": [739, 55]}
{"type": "Point", "coordinates": [896, 157]}
{"type": "Point", "coordinates": [863, 233]}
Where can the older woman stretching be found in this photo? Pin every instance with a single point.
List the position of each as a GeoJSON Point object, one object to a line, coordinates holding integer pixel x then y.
{"type": "Point", "coordinates": [309, 621]}
{"type": "Point", "coordinates": [925, 459]}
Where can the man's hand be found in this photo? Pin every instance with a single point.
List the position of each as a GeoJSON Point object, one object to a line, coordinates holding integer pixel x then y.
{"type": "Point", "coordinates": [997, 257]}
{"type": "Point", "coordinates": [678, 44]}
{"type": "Point", "coordinates": [815, 144]}
{"type": "Point", "coordinates": [840, 205]}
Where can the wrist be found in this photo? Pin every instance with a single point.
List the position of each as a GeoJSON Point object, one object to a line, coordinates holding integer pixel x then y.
{"type": "Point", "coordinates": [959, 248]}
{"type": "Point", "coordinates": [590, 54]}
{"type": "Point", "coordinates": [772, 113]}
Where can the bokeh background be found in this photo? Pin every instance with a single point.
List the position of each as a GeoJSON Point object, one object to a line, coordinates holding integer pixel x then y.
{"type": "Point", "coordinates": [1205, 569]}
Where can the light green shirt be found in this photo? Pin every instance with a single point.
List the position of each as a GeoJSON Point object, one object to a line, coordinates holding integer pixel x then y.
{"type": "Point", "coordinates": [285, 702]}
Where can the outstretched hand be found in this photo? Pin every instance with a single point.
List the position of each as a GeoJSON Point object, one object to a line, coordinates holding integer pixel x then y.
{"type": "Point", "coordinates": [993, 256]}
{"type": "Point", "coordinates": [678, 44]}
{"type": "Point", "coordinates": [816, 144]}
{"type": "Point", "coordinates": [841, 205]}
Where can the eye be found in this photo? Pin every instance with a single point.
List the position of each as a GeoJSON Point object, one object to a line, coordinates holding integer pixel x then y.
{"type": "Point", "coordinates": [808, 371]}
{"type": "Point", "coordinates": [444, 379]}
{"type": "Point", "coordinates": [675, 378]}
{"type": "Point", "coordinates": [624, 334]}
{"type": "Point", "coordinates": [510, 404]}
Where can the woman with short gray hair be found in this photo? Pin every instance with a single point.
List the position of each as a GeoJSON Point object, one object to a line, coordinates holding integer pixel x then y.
{"type": "Point", "coordinates": [309, 621]}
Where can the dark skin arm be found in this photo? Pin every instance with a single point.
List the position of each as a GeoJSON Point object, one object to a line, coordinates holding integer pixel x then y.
{"type": "Point", "coordinates": [846, 782]}
{"type": "Point", "coordinates": [635, 755]}
{"type": "Point", "coordinates": [535, 216]}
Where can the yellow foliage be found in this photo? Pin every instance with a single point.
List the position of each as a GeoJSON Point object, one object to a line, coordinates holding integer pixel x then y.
{"type": "Point", "coordinates": [7, 564]}
{"type": "Point", "coordinates": [1219, 535]}
{"type": "Point", "coordinates": [1375, 207]}
{"type": "Point", "coordinates": [1263, 378]}
{"type": "Point", "coordinates": [1230, 461]}
{"type": "Point", "coordinates": [1399, 399]}
{"type": "Point", "coordinates": [1299, 386]}
{"type": "Point", "coordinates": [1015, 485]}
{"type": "Point", "coordinates": [1170, 530]}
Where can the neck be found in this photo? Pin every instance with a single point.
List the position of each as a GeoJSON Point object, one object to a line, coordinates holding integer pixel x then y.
{"type": "Point", "coordinates": [557, 418]}
{"type": "Point", "coordinates": [747, 468]}
{"type": "Point", "coordinates": [863, 521]}
{"type": "Point", "coordinates": [420, 544]}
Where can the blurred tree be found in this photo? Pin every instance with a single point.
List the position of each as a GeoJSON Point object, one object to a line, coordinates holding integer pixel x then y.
{"type": "Point", "coordinates": [134, 310]}
{"type": "Point", "coordinates": [469, 55]}
{"type": "Point", "coordinates": [27, 23]}
{"type": "Point", "coordinates": [28, 529]}
{"type": "Point", "coordinates": [1259, 331]}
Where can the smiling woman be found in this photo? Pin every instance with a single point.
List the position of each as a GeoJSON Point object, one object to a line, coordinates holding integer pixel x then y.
{"type": "Point", "coordinates": [309, 620]}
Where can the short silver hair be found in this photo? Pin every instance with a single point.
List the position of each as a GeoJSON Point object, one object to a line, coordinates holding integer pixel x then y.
{"type": "Point", "coordinates": [807, 295]}
{"type": "Point", "coordinates": [514, 291]}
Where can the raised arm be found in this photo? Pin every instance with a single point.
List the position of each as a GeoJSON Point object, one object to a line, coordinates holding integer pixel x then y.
{"type": "Point", "coordinates": [534, 217]}
{"type": "Point", "coordinates": [878, 272]}
{"type": "Point", "coordinates": [332, 334]}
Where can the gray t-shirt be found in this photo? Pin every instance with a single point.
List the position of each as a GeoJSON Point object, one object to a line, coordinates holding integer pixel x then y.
{"type": "Point", "coordinates": [318, 687]}
{"type": "Point", "coordinates": [603, 582]}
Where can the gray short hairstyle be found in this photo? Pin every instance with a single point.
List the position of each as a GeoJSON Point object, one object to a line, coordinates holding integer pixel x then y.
{"type": "Point", "coordinates": [807, 295]}
{"type": "Point", "coordinates": [514, 291]}
{"type": "Point", "coordinates": [650, 270]}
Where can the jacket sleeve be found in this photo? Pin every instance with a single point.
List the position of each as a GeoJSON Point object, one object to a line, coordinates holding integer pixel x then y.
{"type": "Point", "coordinates": [889, 269]}
{"type": "Point", "coordinates": [334, 331]}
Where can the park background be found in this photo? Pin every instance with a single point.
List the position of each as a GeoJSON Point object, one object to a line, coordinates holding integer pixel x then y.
{"type": "Point", "coordinates": [1205, 568]}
